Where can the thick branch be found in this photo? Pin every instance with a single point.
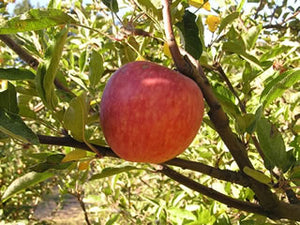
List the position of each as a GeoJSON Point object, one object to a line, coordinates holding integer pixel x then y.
{"type": "Point", "coordinates": [231, 202]}
{"type": "Point", "coordinates": [281, 210]}
{"type": "Point", "coordinates": [225, 175]}
{"type": "Point", "coordinates": [24, 55]}
{"type": "Point", "coordinates": [70, 142]}
{"type": "Point", "coordinates": [220, 120]}
{"type": "Point", "coordinates": [29, 59]}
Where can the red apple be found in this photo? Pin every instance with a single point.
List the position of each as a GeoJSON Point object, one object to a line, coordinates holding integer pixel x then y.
{"type": "Point", "coordinates": [150, 113]}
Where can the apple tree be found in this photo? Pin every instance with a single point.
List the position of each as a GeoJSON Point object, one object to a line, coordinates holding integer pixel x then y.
{"type": "Point", "coordinates": [243, 166]}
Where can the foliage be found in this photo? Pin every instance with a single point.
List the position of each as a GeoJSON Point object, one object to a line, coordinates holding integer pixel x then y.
{"type": "Point", "coordinates": [55, 63]}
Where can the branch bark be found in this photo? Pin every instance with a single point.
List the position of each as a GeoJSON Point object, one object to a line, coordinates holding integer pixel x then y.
{"type": "Point", "coordinates": [29, 59]}
{"type": "Point", "coordinates": [24, 55]}
{"type": "Point", "coordinates": [231, 202]}
{"type": "Point", "coordinates": [281, 210]}
{"type": "Point", "coordinates": [191, 68]}
{"type": "Point", "coordinates": [226, 175]}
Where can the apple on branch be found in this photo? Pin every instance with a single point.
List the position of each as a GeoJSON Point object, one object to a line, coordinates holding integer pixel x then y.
{"type": "Point", "coordinates": [149, 113]}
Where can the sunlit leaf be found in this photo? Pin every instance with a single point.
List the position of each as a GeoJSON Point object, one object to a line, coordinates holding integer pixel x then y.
{"type": "Point", "coordinates": [278, 85]}
{"type": "Point", "coordinates": [24, 182]}
{"type": "Point", "coordinates": [75, 117]}
{"type": "Point", "coordinates": [96, 68]}
{"type": "Point", "coordinates": [228, 20]}
{"type": "Point", "coordinates": [251, 36]}
{"type": "Point", "coordinates": [167, 50]}
{"type": "Point", "coordinates": [74, 155]}
{"type": "Point", "coordinates": [151, 8]}
{"type": "Point", "coordinates": [49, 77]}
{"type": "Point", "coordinates": [35, 19]}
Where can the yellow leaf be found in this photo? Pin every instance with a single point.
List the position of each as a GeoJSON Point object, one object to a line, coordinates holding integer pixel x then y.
{"type": "Point", "coordinates": [140, 58]}
{"type": "Point", "coordinates": [167, 50]}
{"type": "Point", "coordinates": [199, 4]}
{"type": "Point", "coordinates": [213, 22]}
{"type": "Point", "coordinates": [207, 6]}
{"type": "Point", "coordinates": [84, 165]}
{"type": "Point", "coordinates": [74, 155]}
{"type": "Point", "coordinates": [3, 85]}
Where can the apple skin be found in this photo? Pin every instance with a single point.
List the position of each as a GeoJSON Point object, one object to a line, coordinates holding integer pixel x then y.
{"type": "Point", "coordinates": [149, 113]}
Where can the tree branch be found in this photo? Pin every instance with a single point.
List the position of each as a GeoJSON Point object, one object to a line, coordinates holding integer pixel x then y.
{"type": "Point", "coordinates": [29, 59]}
{"type": "Point", "coordinates": [219, 68]}
{"type": "Point", "coordinates": [218, 117]}
{"type": "Point", "coordinates": [70, 142]}
{"type": "Point", "coordinates": [226, 175]}
{"type": "Point", "coordinates": [231, 202]}
{"type": "Point", "coordinates": [281, 210]}
{"type": "Point", "coordinates": [24, 55]}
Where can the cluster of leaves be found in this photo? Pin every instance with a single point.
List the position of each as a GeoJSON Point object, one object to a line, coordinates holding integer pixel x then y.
{"type": "Point", "coordinates": [253, 70]}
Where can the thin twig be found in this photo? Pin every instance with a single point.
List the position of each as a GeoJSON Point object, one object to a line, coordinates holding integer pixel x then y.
{"type": "Point", "coordinates": [78, 196]}
{"type": "Point", "coordinates": [219, 68]}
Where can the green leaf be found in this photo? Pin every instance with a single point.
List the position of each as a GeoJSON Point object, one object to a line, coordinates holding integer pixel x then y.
{"type": "Point", "coordinates": [245, 123]}
{"type": "Point", "coordinates": [151, 8]}
{"type": "Point", "coordinates": [227, 100]}
{"type": "Point", "coordinates": [82, 61]}
{"type": "Point", "coordinates": [295, 175]}
{"type": "Point", "coordinates": [12, 125]}
{"type": "Point", "coordinates": [257, 175]}
{"type": "Point", "coordinates": [112, 5]}
{"type": "Point", "coordinates": [16, 74]}
{"type": "Point", "coordinates": [52, 161]}
{"type": "Point", "coordinates": [234, 46]}
{"type": "Point", "coordinates": [238, 47]}
{"type": "Point", "coordinates": [8, 99]}
{"type": "Point", "coordinates": [251, 36]}
{"type": "Point", "coordinates": [273, 146]}
{"type": "Point", "coordinates": [96, 68]}
{"type": "Point", "coordinates": [75, 117]}
{"type": "Point", "coordinates": [114, 218]}
{"type": "Point", "coordinates": [49, 77]}
{"type": "Point", "coordinates": [227, 20]}
{"type": "Point", "coordinates": [277, 86]}
{"type": "Point", "coordinates": [24, 182]}
{"type": "Point", "coordinates": [41, 71]}
{"type": "Point", "coordinates": [190, 32]}
{"type": "Point", "coordinates": [36, 19]}
{"type": "Point", "coordinates": [74, 155]}
{"type": "Point", "coordinates": [110, 171]}
{"type": "Point", "coordinates": [274, 52]}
